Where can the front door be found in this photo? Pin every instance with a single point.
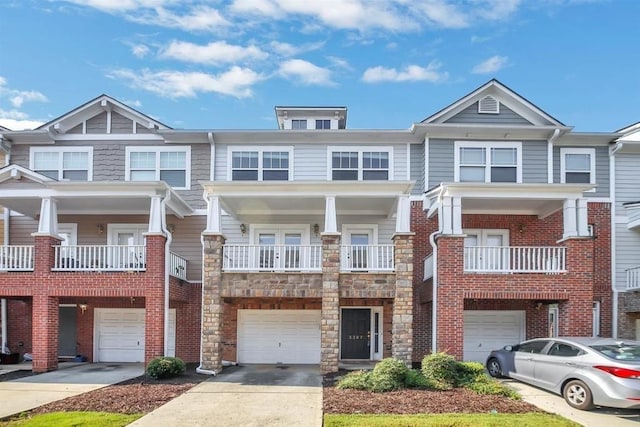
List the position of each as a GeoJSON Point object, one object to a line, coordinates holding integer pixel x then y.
{"type": "Point", "coordinates": [356, 333]}
{"type": "Point", "coordinates": [67, 331]}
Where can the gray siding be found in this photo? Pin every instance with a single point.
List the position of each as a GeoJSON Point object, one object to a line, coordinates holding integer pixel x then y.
{"type": "Point", "coordinates": [97, 124]}
{"type": "Point", "coordinates": [471, 115]}
{"type": "Point", "coordinates": [602, 171]}
{"type": "Point", "coordinates": [627, 253]}
{"type": "Point", "coordinates": [121, 124]}
{"type": "Point", "coordinates": [534, 162]}
{"type": "Point", "coordinates": [310, 162]}
{"type": "Point", "coordinates": [441, 162]}
{"type": "Point", "coordinates": [20, 229]}
{"type": "Point", "coordinates": [417, 168]}
{"type": "Point", "coordinates": [76, 130]}
{"type": "Point", "coordinates": [627, 180]}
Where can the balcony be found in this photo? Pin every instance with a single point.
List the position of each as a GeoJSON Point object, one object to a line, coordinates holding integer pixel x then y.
{"type": "Point", "coordinates": [514, 259]}
{"type": "Point", "coordinates": [367, 258]}
{"type": "Point", "coordinates": [633, 278]}
{"type": "Point", "coordinates": [272, 258]}
{"type": "Point", "coordinates": [16, 258]}
{"type": "Point", "coordinates": [99, 258]}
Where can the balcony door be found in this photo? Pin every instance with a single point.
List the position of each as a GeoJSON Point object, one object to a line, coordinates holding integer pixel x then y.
{"type": "Point", "coordinates": [486, 250]}
{"type": "Point", "coordinates": [279, 248]}
{"type": "Point", "coordinates": [125, 241]}
{"type": "Point", "coordinates": [358, 253]}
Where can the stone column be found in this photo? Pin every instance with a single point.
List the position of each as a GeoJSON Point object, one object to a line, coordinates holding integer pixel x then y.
{"type": "Point", "coordinates": [402, 327]}
{"type": "Point", "coordinates": [212, 313]}
{"type": "Point", "coordinates": [330, 323]}
{"type": "Point", "coordinates": [45, 333]}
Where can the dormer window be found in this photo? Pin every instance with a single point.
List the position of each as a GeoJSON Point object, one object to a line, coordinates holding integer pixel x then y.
{"type": "Point", "coordinates": [298, 124]}
{"type": "Point", "coordinates": [323, 124]}
{"type": "Point", "coordinates": [489, 105]}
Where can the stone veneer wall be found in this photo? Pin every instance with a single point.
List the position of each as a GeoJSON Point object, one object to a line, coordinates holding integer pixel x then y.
{"type": "Point", "coordinates": [212, 310]}
{"type": "Point", "coordinates": [402, 334]}
{"type": "Point", "coordinates": [330, 322]}
{"type": "Point", "coordinates": [277, 285]}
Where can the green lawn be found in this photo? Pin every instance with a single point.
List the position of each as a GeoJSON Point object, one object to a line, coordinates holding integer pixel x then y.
{"type": "Point", "coordinates": [73, 419]}
{"type": "Point", "coordinates": [448, 420]}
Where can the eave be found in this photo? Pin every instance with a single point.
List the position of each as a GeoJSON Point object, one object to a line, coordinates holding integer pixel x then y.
{"type": "Point", "coordinates": [486, 131]}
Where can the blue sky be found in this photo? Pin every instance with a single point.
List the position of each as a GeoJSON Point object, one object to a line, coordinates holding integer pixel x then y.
{"type": "Point", "coordinates": [202, 64]}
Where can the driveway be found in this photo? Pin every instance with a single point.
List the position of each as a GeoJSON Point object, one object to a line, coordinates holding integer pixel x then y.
{"type": "Point", "coordinates": [556, 404]}
{"type": "Point", "coordinates": [251, 395]}
{"type": "Point", "coordinates": [29, 392]}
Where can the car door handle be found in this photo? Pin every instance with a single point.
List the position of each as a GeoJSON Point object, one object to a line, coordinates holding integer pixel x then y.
{"type": "Point", "coordinates": [570, 364]}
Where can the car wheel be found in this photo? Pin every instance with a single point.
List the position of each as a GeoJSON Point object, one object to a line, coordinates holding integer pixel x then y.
{"type": "Point", "coordinates": [494, 368]}
{"type": "Point", "coordinates": [578, 395]}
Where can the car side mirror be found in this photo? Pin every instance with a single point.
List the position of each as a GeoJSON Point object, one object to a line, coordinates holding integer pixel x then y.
{"type": "Point", "coordinates": [508, 348]}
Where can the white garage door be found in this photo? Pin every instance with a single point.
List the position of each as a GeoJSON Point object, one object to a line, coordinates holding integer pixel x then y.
{"type": "Point", "coordinates": [279, 336]}
{"type": "Point", "coordinates": [489, 330]}
{"type": "Point", "coordinates": [119, 334]}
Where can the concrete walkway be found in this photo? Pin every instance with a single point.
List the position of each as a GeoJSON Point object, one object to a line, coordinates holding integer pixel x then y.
{"type": "Point", "coordinates": [555, 404]}
{"type": "Point", "coordinates": [252, 395]}
{"type": "Point", "coordinates": [30, 392]}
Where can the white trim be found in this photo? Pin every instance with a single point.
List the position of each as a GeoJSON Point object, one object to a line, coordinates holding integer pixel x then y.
{"type": "Point", "coordinates": [486, 111]}
{"type": "Point", "coordinates": [137, 229]}
{"type": "Point", "coordinates": [596, 319]}
{"type": "Point", "coordinates": [592, 160]}
{"type": "Point", "coordinates": [62, 150]}
{"type": "Point", "coordinates": [348, 229]}
{"type": "Point", "coordinates": [553, 327]}
{"type": "Point", "coordinates": [373, 355]}
{"type": "Point", "coordinates": [260, 150]}
{"type": "Point", "coordinates": [426, 163]}
{"type": "Point", "coordinates": [157, 151]}
{"type": "Point", "coordinates": [360, 149]}
{"type": "Point", "coordinates": [487, 145]}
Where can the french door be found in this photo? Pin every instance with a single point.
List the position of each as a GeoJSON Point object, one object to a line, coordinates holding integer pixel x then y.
{"type": "Point", "coordinates": [126, 243]}
{"type": "Point", "coordinates": [278, 248]}
{"type": "Point", "coordinates": [486, 250]}
{"type": "Point", "coordinates": [358, 254]}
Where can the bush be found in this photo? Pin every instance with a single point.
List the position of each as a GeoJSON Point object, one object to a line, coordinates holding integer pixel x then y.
{"type": "Point", "coordinates": [415, 379]}
{"type": "Point", "coordinates": [440, 370]}
{"type": "Point", "coordinates": [388, 374]}
{"type": "Point", "coordinates": [487, 385]}
{"type": "Point", "coordinates": [468, 372]}
{"type": "Point", "coordinates": [165, 367]}
{"type": "Point", "coordinates": [357, 380]}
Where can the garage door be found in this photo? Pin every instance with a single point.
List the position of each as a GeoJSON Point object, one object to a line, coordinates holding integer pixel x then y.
{"type": "Point", "coordinates": [119, 334]}
{"type": "Point", "coordinates": [489, 330]}
{"type": "Point", "coordinates": [279, 336]}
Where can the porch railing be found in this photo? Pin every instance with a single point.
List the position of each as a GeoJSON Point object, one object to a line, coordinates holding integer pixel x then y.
{"type": "Point", "coordinates": [100, 258]}
{"type": "Point", "coordinates": [16, 258]}
{"type": "Point", "coordinates": [272, 258]}
{"type": "Point", "coordinates": [515, 259]}
{"type": "Point", "coordinates": [177, 266]}
{"type": "Point", "coordinates": [367, 258]}
{"type": "Point", "coordinates": [633, 278]}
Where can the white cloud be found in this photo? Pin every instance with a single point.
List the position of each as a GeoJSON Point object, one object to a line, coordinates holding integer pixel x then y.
{"type": "Point", "coordinates": [491, 65]}
{"type": "Point", "coordinates": [287, 49]}
{"type": "Point", "coordinates": [214, 53]}
{"type": "Point", "coordinates": [132, 103]}
{"type": "Point", "coordinates": [412, 73]}
{"type": "Point", "coordinates": [15, 119]}
{"type": "Point", "coordinates": [140, 50]}
{"type": "Point", "coordinates": [236, 82]}
{"type": "Point", "coordinates": [305, 72]}
{"type": "Point", "coordinates": [339, 62]}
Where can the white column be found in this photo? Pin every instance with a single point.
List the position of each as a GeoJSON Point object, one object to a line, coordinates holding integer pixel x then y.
{"type": "Point", "coordinates": [569, 218]}
{"type": "Point", "coordinates": [403, 215]}
{"type": "Point", "coordinates": [213, 214]}
{"type": "Point", "coordinates": [456, 215]}
{"type": "Point", "coordinates": [48, 223]}
{"type": "Point", "coordinates": [446, 215]}
{"type": "Point", "coordinates": [330, 222]}
{"type": "Point", "coordinates": [582, 217]}
{"type": "Point", "coordinates": [155, 215]}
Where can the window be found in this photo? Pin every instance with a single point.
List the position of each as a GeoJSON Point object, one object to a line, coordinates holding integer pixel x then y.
{"type": "Point", "coordinates": [577, 166]}
{"type": "Point", "coordinates": [63, 163]}
{"type": "Point", "coordinates": [323, 124]}
{"type": "Point", "coordinates": [298, 124]}
{"type": "Point", "coordinates": [359, 164]}
{"type": "Point", "coordinates": [256, 164]}
{"type": "Point", "coordinates": [168, 164]}
{"type": "Point", "coordinates": [535, 347]}
{"type": "Point", "coordinates": [488, 162]}
{"type": "Point", "coordinates": [563, 350]}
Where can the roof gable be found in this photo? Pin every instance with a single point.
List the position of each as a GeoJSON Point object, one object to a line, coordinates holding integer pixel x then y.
{"type": "Point", "coordinates": [519, 109]}
{"type": "Point", "coordinates": [98, 106]}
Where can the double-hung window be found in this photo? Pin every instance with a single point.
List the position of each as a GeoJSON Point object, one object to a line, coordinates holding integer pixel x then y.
{"type": "Point", "coordinates": [577, 165]}
{"type": "Point", "coordinates": [63, 163]}
{"type": "Point", "coordinates": [258, 164]}
{"type": "Point", "coordinates": [359, 164]}
{"type": "Point", "coordinates": [169, 164]}
{"type": "Point", "coordinates": [488, 162]}
{"type": "Point", "coordinates": [323, 124]}
{"type": "Point", "coordinates": [298, 124]}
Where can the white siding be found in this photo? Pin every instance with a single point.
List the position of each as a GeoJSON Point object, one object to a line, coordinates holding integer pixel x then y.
{"type": "Point", "coordinates": [627, 253]}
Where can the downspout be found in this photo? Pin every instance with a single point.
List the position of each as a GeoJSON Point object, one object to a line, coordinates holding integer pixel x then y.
{"type": "Point", "coordinates": [434, 302]}
{"type": "Point", "coordinates": [550, 141]}
{"type": "Point", "coordinates": [3, 309]}
{"type": "Point", "coordinates": [167, 265]}
{"type": "Point", "coordinates": [614, 289]}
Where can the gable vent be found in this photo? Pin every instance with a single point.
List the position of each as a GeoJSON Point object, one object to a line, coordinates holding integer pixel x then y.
{"type": "Point", "coordinates": [488, 105]}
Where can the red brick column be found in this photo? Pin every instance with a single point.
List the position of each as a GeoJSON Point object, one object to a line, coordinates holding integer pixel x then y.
{"type": "Point", "coordinates": [330, 323]}
{"type": "Point", "coordinates": [45, 333]}
{"type": "Point", "coordinates": [154, 298]}
{"type": "Point", "coordinates": [576, 314]}
{"type": "Point", "coordinates": [212, 306]}
{"type": "Point", "coordinates": [402, 328]}
{"type": "Point", "coordinates": [450, 297]}
{"type": "Point", "coordinates": [44, 253]}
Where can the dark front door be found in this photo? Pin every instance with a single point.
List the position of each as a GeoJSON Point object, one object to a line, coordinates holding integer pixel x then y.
{"type": "Point", "coordinates": [67, 331]}
{"type": "Point", "coordinates": [356, 333]}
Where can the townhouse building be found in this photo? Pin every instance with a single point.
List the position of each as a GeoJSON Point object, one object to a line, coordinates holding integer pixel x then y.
{"type": "Point", "coordinates": [486, 223]}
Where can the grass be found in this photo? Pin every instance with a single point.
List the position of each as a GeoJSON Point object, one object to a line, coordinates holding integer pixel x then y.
{"type": "Point", "coordinates": [448, 420]}
{"type": "Point", "coordinates": [73, 419]}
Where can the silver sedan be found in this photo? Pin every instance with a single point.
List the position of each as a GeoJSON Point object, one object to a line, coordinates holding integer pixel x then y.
{"type": "Point", "coordinates": [587, 372]}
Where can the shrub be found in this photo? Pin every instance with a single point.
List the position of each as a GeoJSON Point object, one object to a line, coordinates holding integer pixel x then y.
{"type": "Point", "coordinates": [487, 385]}
{"type": "Point", "coordinates": [415, 379]}
{"type": "Point", "coordinates": [165, 367]}
{"type": "Point", "coordinates": [468, 372]}
{"type": "Point", "coordinates": [357, 380]}
{"type": "Point", "coordinates": [388, 374]}
{"type": "Point", "coordinates": [440, 370]}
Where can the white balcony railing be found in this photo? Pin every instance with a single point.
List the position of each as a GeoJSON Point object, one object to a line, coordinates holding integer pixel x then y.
{"type": "Point", "coordinates": [16, 258]}
{"type": "Point", "coordinates": [633, 278]}
{"type": "Point", "coordinates": [100, 258]}
{"type": "Point", "coordinates": [272, 258]}
{"type": "Point", "coordinates": [427, 268]}
{"type": "Point", "coordinates": [366, 258]}
{"type": "Point", "coordinates": [515, 259]}
{"type": "Point", "coordinates": [177, 266]}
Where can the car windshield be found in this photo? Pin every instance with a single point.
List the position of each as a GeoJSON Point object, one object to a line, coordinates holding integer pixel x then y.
{"type": "Point", "coordinates": [619, 351]}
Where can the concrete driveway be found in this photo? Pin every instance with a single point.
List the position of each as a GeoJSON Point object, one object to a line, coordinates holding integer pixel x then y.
{"type": "Point", "coordinates": [556, 405]}
{"type": "Point", "coordinates": [30, 392]}
{"type": "Point", "coordinates": [252, 395]}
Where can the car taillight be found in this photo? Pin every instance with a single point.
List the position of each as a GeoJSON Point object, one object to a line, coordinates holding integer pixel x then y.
{"type": "Point", "coordinates": [620, 372]}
